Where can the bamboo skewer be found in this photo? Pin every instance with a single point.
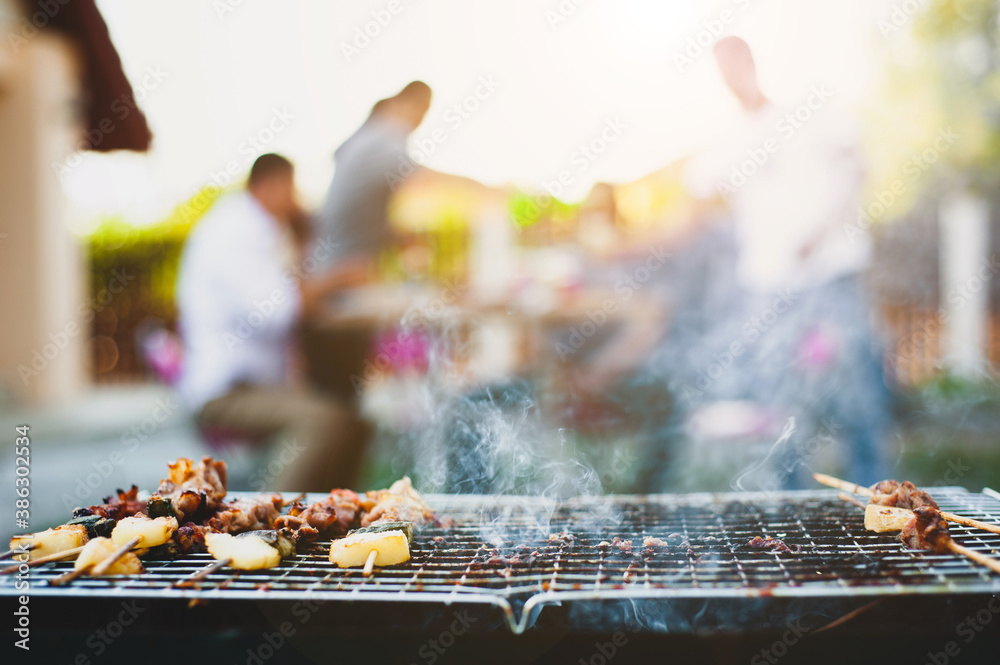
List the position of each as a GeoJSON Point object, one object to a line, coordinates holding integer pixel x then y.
{"type": "Point", "coordinates": [70, 576]}
{"type": "Point", "coordinates": [49, 558]}
{"type": "Point", "coordinates": [17, 550]}
{"type": "Point", "coordinates": [204, 572]}
{"type": "Point", "coordinates": [370, 563]}
{"type": "Point", "coordinates": [978, 557]}
{"type": "Point", "coordinates": [846, 486]}
{"type": "Point", "coordinates": [98, 569]}
{"type": "Point", "coordinates": [850, 499]}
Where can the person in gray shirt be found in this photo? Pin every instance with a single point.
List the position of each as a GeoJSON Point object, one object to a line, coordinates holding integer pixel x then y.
{"type": "Point", "coordinates": [370, 165]}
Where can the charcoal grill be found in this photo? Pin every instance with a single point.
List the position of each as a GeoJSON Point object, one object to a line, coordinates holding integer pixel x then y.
{"type": "Point", "coordinates": [840, 567]}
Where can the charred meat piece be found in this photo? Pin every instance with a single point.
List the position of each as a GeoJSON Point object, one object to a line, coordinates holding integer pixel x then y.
{"type": "Point", "coordinates": [194, 491]}
{"type": "Point", "coordinates": [773, 545]}
{"type": "Point", "coordinates": [249, 514]}
{"type": "Point", "coordinates": [400, 503]}
{"type": "Point", "coordinates": [116, 507]}
{"type": "Point", "coordinates": [901, 495]}
{"type": "Point", "coordinates": [331, 516]}
{"type": "Point", "coordinates": [926, 531]}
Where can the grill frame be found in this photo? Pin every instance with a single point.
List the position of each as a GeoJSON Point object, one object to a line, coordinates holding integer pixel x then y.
{"type": "Point", "coordinates": [887, 568]}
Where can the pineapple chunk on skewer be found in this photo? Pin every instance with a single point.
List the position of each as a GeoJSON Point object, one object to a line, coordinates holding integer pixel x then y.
{"type": "Point", "coordinates": [886, 518]}
{"type": "Point", "coordinates": [152, 532]}
{"type": "Point", "coordinates": [391, 547]}
{"type": "Point", "coordinates": [245, 552]}
{"type": "Point", "coordinates": [99, 549]}
{"type": "Point", "coordinates": [52, 541]}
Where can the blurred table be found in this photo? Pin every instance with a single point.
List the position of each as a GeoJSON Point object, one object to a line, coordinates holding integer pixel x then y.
{"type": "Point", "coordinates": [504, 334]}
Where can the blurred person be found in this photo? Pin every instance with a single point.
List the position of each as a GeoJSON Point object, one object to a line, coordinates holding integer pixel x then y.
{"type": "Point", "coordinates": [792, 177]}
{"type": "Point", "coordinates": [354, 220]}
{"type": "Point", "coordinates": [370, 165]}
{"type": "Point", "coordinates": [239, 307]}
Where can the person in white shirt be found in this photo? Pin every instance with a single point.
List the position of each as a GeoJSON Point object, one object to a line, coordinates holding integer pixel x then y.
{"type": "Point", "coordinates": [240, 305]}
{"type": "Point", "coordinates": [791, 176]}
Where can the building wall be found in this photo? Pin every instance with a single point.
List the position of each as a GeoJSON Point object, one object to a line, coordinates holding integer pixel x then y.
{"type": "Point", "coordinates": [42, 338]}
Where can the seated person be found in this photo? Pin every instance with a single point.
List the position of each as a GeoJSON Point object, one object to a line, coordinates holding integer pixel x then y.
{"type": "Point", "coordinates": [239, 309]}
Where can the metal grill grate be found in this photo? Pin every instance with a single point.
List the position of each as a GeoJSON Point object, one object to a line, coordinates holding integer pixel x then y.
{"type": "Point", "coordinates": [708, 556]}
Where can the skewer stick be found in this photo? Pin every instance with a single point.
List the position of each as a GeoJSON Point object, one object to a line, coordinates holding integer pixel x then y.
{"type": "Point", "coordinates": [842, 485]}
{"type": "Point", "coordinates": [17, 550]}
{"type": "Point", "coordinates": [978, 557]}
{"type": "Point", "coordinates": [850, 499]}
{"type": "Point", "coordinates": [104, 565]}
{"type": "Point", "coordinates": [298, 497]}
{"type": "Point", "coordinates": [70, 576]}
{"type": "Point", "coordinates": [58, 556]}
{"type": "Point", "coordinates": [846, 486]}
{"type": "Point", "coordinates": [370, 563]}
{"type": "Point", "coordinates": [194, 578]}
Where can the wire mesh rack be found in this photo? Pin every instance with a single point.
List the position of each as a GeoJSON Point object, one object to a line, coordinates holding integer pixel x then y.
{"type": "Point", "coordinates": [520, 554]}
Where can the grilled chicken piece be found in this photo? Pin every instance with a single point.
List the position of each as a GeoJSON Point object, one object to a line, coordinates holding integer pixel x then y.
{"type": "Point", "coordinates": [193, 490]}
{"type": "Point", "coordinates": [926, 530]}
{"type": "Point", "coordinates": [901, 495]}
{"type": "Point", "coordinates": [400, 503]}
{"type": "Point", "coordinates": [99, 549]}
{"type": "Point", "coordinates": [249, 514]}
{"type": "Point", "coordinates": [331, 516]}
{"type": "Point", "coordinates": [392, 547]}
{"type": "Point", "coordinates": [152, 532]}
{"type": "Point", "coordinates": [51, 541]}
{"type": "Point", "coordinates": [248, 551]}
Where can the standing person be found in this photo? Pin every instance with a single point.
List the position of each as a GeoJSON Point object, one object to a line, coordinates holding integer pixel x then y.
{"type": "Point", "coordinates": [239, 307]}
{"type": "Point", "coordinates": [355, 220]}
{"type": "Point", "coordinates": [791, 177]}
{"type": "Point", "coordinates": [370, 166]}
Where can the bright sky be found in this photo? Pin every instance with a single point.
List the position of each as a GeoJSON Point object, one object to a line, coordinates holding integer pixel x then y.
{"type": "Point", "coordinates": [228, 76]}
